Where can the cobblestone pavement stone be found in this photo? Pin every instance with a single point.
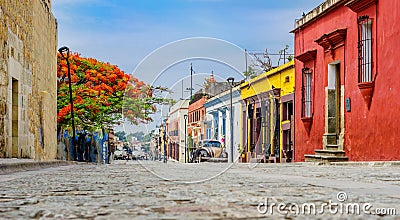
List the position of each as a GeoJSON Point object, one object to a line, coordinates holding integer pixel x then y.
{"type": "Point", "coordinates": [154, 190]}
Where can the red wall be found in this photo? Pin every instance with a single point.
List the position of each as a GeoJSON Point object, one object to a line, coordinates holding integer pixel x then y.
{"type": "Point", "coordinates": [369, 133]}
{"type": "Point", "coordinates": [197, 105]}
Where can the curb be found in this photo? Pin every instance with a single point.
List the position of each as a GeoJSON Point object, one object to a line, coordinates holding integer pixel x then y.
{"type": "Point", "coordinates": [173, 160]}
{"type": "Point", "coordinates": [29, 166]}
{"type": "Point", "coordinates": [367, 163]}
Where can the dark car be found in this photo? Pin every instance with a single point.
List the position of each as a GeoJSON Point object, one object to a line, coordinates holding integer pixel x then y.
{"type": "Point", "coordinates": [209, 149]}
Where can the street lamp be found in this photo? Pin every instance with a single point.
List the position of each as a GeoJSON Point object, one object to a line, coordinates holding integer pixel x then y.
{"type": "Point", "coordinates": [185, 117]}
{"type": "Point", "coordinates": [230, 82]}
{"type": "Point", "coordinates": [159, 143]}
{"type": "Point", "coordinates": [63, 50]}
{"type": "Point", "coordinates": [165, 142]}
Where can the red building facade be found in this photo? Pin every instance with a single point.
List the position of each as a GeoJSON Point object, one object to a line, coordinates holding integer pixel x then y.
{"type": "Point", "coordinates": [347, 87]}
{"type": "Point", "coordinates": [196, 114]}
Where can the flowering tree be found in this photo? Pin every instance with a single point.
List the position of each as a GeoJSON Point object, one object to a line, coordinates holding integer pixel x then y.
{"type": "Point", "coordinates": [102, 94]}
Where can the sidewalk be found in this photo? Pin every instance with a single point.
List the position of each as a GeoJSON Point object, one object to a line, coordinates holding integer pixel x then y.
{"type": "Point", "coordinates": [11, 165]}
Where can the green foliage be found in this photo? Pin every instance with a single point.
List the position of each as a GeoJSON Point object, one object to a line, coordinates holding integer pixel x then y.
{"type": "Point", "coordinates": [138, 135]}
{"type": "Point", "coordinates": [250, 73]}
{"type": "Point", "coordinates": [190, 143]}
{"type": "Point", "coordinates": [148, 136]}
{"type": "Point", "coordinates": [121, 135]}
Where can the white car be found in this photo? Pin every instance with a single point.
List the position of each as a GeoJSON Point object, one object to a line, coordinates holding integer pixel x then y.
{"type": "Point", "coordinates": [136, 155]}
{"type": "Point", "coordinates": [120, 154]}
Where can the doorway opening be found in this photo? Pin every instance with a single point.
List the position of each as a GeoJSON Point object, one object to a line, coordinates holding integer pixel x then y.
{"type": "Point", "coordinates": [15, 122]}
{"type": "Point", "coordinates": [333, 101]}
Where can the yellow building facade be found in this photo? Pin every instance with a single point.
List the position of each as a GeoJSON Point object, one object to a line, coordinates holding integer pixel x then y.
{"type": "Point", "coordinates": [267, 110]}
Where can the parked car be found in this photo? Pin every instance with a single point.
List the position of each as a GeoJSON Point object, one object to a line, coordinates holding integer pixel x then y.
{"type": "Point", "coordinates": [120, 154]}
{"type": "Point", "coordinates": [209, 149]}
{"type": "Point", "coordinates": [136, 155]}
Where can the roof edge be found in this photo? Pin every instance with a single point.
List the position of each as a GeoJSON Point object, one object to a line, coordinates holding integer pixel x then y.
{"type": "Point", "coordinates": [317, 12]}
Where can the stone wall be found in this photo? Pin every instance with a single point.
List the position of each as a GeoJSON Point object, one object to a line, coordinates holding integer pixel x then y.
{"type": "Point", "coordinates": [28, 45]}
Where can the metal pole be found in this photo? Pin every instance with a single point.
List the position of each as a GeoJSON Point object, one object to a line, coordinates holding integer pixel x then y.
{"type": "Point", "coordinates": [191, 81]}
{"type": "Point", "coordinates": [165, 146]}
{"type": "Point", "coordinates": [159, 144]}
{"type": "Point", "coordinates": [72, 108]}
{"type": "Point", "coordinates": [284, 56]}
{"type": "Point", "coordinates": [185, 142]}
{"type": "Point", "coordinates": [245, 57]}
{"type": "Point", "coordinates": [231, 118]}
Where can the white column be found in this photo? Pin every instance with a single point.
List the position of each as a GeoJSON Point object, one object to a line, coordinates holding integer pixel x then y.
{"type": "Point", "coordinates": [212, 126]}
{"type": "Point", "coordinates": [228, 134]}
{"type": "Point", "coordinates": [219, 125]}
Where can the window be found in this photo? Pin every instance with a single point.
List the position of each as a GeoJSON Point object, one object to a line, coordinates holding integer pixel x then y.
{"type": "Point", "coordinates": [364, 49]}
{"type": "Point", "coordinates": [287, 110]}
{"type": "Point", "coordinates": [12, 52]}
{"type": "Point", "coordinates": [216, 144]}
{"type": "Point", "coordinates": [306, 90]}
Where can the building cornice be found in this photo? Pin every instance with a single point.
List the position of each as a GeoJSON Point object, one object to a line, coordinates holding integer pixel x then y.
{"type": "Point", "coordinates": [267, 74]}
{"type": "Point", "coordinates": [307, 56]}
{"type": "Point", "coordinates": [330, 42]}
{"type": "Point", "coordinates": [223, 97]}
{"type": "Point", "coordinates": [317, 12]}
{"type": "Point", "coordinates": [359, 5]}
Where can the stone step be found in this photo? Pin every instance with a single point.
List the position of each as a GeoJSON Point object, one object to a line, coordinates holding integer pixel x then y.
{"type": "Point", "coordinates": [325, 159]}
{"type": "Point", "coordinates": [331, 147]}
{"type": "Point", "coordinates": [337, 153]}
{"type": "Point", "coordinates": [312, 158]}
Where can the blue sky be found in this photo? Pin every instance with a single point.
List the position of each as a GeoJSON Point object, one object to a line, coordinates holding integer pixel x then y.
{"type": "Point", "coordinates": [133, 33]}
{"type": "Point", "coordinates": [123, 32]}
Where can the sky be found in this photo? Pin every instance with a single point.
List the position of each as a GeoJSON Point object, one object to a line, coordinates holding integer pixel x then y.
{"type": "Point", "coordinates": [158, 40]}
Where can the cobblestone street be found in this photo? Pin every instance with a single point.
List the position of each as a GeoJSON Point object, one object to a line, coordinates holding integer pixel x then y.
{"type": "Point", "coordinates": [154, 190]}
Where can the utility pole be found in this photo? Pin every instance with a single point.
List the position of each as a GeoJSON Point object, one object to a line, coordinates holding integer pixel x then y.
{"type": "Point", "coordinates": [245, 57]}
{"type": "Point", "coordinates": [185, 117]}
{"type": "Point", "coordinates": [191, 81]}
{"type": "Point", "coordinates": [231, 81]}
{"type": "Point", "coordinates": [165, 141]}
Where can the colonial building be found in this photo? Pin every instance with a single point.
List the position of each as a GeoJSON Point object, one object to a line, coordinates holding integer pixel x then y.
{"type": "Point", "coordinates": [197, 129]}
{"type": "Point", "coordinates": [267, 110]}
{"type": "Point", "coordinates": [175, 126]}
{"type": "Point", "coordinates": [28, 88]}
{"type": "Point", "coordinates": [281, 103]}
{"type": "Point", "coordinates": [217, 120]}
{"type": "Point", "coordinates": [346, 81]}
{"type": "Point", "coordinates": [195, 119]}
